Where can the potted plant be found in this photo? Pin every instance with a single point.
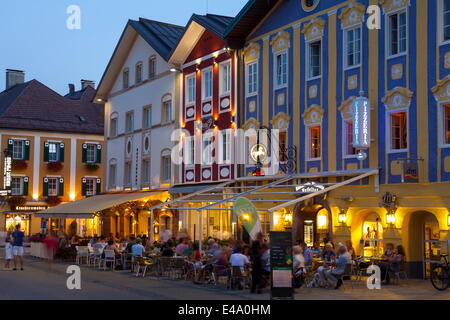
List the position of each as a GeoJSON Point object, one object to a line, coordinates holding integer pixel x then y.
{"type": "Point", "coordinates": [53, 200]}
{"type": "Point", "coordinates": [92, 166]}
{"type": "Point", "coordinates": [55, 166]}
{"type": "Point", "coordinates": [16, 201]}
{"type": "Point", "coordinates": [19, 165]}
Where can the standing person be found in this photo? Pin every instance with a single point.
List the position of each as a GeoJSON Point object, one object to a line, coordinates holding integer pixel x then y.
{"type": "Point", "coordinates": [8, 252]}
{"type": "Point", "coordinates": [181, 247]}
{"type": "Point", "coordinates": [18, 246]}
{"type": "Point", "coordinates": [257, 267]}
{"type": "Point", "coordinates": [51, 245]}
{"type": "Point", "coordinates": [307, 255]}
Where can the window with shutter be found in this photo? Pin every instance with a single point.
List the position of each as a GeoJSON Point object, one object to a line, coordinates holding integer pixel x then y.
{"type": "Point", "coordinates": [25, 186]}
{"type": "Point", "coordinates": [61, 152]}
{"type": "Point", "coordinates": [45, 187]}
{"type": "Point", "coordinates": [61, 187]}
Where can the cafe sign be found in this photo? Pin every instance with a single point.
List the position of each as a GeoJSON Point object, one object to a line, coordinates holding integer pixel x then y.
{"type": "Point", "coordinates": [246, 212]}
{"type": "Point", "coordinates": [410, 172]}
{"type": "Point", "coordinates": [309, 187]}
{"type": "Point", "coordinates": [6, 175]}
{"type": "Point", "coordinates": [361, 123]}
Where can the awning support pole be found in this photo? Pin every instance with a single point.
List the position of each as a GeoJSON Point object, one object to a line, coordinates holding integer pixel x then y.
{"type": "Point", "coordinates": [152, 230]}
{"type": "Point", "coordinates": [200, 229]}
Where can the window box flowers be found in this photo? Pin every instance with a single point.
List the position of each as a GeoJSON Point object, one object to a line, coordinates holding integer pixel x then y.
{"type": "Point", "coordinates": [92, 166]}
{"type": "Point", "coordinates": [16, 201]}
{"type": "Point", "coordinates": [19, 164]}
{"type": "Point", "coordinates": [53, 200]}
{"type": "Point", "coordinates": [55, 166]}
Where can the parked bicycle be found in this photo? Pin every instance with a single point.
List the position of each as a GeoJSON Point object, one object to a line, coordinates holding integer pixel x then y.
{"type": "Point", "coordinates": [440, 274]}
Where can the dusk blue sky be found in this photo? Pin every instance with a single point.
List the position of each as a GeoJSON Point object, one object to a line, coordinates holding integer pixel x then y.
{"type": "Point", "coordinates": [34, 36]}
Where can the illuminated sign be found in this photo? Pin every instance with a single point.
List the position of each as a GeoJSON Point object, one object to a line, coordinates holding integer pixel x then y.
{"type": "Point", "coordinates": [31, 208]}
{"type": "Point", "coordinates": [309, 187]}
{"type": "Point", "coordinates": [361, 123]}
{"type": "Point", "coordinates": [7, 175]}
{"type": "Point", "coordinates": [258, 153]}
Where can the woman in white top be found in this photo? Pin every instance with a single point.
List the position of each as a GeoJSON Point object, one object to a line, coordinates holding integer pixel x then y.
{"type": "Point", "coordinates": [299, 259]}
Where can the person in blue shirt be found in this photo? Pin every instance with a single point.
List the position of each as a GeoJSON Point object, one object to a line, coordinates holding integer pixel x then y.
{"type": "Point", "coordinates": [328, 254]}
{"type": "Point", "coordinates": [18, 246]}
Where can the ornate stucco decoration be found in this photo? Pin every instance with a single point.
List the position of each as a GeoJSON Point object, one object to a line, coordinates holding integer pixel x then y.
{"type": "Point", "coordinates": [314, 29]}
{"type": "Point", "coordinates": [313, 115]}
{"type": "Point", "coordinates": [281, 41]}
{"type": "Point", "coordinates": [441, 90]}
{"type": "Point", "coordinates": [391, 5]}
{"type": "Point", "coordinates": [353, 14]}
{"type": "Point", "coordinates": [280, 121]}
{"type": "Point", "coordinates": [346, 108]}
{"type": "Point", "coordinates": [251, 52]}
{"type": "Point", "coordinates": [251, 123]}
{"type": "Point", "coordinates": [398, 98]}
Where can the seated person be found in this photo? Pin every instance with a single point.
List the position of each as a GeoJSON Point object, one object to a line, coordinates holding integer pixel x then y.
{"type": "Point", "coordinates": [328, 277]}
{"type": "Point", "coordinates": [137, 249]}
{"type": "Point", "coordinates": [238, 259]}
{"type": "Point", "coordinates": [168, 249]}
{"type": "Point", "coordinates": [316, 250]}
{"type": "Point", "coordinates": [112, 246]}
{"type": "Point", "coordinates": [328, 254]}
{"type": "Point", "coordinates": [307, 254]}
{"type": "Point", "coordinates": [394, 261]}
{"type": "Point", "coordinates": [130, 244]}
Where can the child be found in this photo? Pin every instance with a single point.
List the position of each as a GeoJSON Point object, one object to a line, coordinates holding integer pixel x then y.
{"type": "Point", "coordinates": [8, 252]}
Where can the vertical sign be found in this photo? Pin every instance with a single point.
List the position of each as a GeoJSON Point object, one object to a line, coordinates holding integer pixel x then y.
{"type": "Point", "coordinates": [361, 123]}
{"type": "Point", "coordinates": [7, 175]}
{"type": "Point", "coordinates": [281, 262]}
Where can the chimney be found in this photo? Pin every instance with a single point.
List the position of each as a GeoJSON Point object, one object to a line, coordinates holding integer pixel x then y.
{"type": "Point", "coordinates": [14, 77]}
{"type": "Point", "coordinates": [85, 83]}
{"type": "Point", "coordinates": [71, 88]}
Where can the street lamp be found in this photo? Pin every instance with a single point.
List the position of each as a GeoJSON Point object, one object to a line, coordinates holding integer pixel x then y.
{"type": "Point", "coordinates": [390, 216]}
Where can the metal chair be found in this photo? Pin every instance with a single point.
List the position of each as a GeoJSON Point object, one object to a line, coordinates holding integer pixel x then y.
{"type": "Point", "coordinates": [144, 264]}
{"type": "Point", "coordinates": [165, 266]}
{"type": "Point", "coordinates": [82, 254]}
{"type": "Point", "coordinates": [219, 271]}
{"type": "Point", "coordinates": [97, 256]}
{"type": "Point", "coordinates": [237, 276]}
{"type": "Point", "coordinates": [178, 267]}
{"type": "Point", "coordinates": [110, 256]}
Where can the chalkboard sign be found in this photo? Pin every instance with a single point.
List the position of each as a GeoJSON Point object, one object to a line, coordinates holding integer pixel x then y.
{"type": "Point", "coordinates": [281, 265]}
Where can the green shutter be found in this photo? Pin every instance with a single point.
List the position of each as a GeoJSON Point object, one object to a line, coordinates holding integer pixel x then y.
{"type": "Point", "coordinates": [84, 153]}
{"type": "Point", "coordinates": [61, 152]}
{"type": "Point", "coordinates": [26, 155]}
{"type": "Point", "coordinates": [45, 187]}
{"type": "Point", "coordinates": [61, 187]}
{"type": "Point", "coordinates": [98, 158]}
{"type": "Point", "coordinates": [10, 146]}
{"type": "Point", "coordinates": [98, 186]}
{"type": "Point", "coordinates": [46, 151]}
{"type": "Point", "coordinates": [25, 186]}
{"type": "Point", "coordinates": [83, 186]}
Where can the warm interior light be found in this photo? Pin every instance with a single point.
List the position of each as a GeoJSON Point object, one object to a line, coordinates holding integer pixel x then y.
{"type": "Point", "coordinates": [448, 220]}
{"type": "Point", "coordinates": [342, 217]}
{"type": "Point", "coordinates": [390, 218]}
{"type": "Point", "coordinates": [246, 217]}
{"type": "Point", "coordinates": [322, 219]}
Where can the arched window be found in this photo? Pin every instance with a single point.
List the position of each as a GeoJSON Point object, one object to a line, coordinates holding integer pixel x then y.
{"type": "Point", "coordinates": [113, 122]}
{"type": "Point", "coordinates": [166, 108]}
{"type": "Point", "coordinates": [152, 67]}
{"type": "Point", "coordinates": [139, 72]}
{"type": "Point", "coordinates": [166, 166]}
{"type": "Point", "coordinates": [126, 78]}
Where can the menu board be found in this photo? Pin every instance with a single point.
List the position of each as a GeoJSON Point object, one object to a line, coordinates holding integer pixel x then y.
{"type": "Point", "coordinates": [281, 262]}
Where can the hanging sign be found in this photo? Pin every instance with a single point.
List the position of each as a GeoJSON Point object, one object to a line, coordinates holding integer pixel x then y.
{"type": "Point", "coordinates": [309, 187]}
{"type": "Point", "coordinates": [281, 261]}
{"type": "Point", "coordinates": [247, 214]}
{"type": "Point", "coordinates": [410, 172]}
{"type": "Point", "coordinates": [361, 123]}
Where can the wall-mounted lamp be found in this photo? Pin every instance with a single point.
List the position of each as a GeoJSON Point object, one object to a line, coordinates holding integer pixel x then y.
{"type": "Point", "coordinates": [390, 217]}
{"type": "Point", "coordinates": [448, 220]}
{"type": "Point", "coordinates": [342, 217]}
{"type": "Point", "coordinates": [197, 67]}
{"type": "Point", "coordinates": [173, 69]}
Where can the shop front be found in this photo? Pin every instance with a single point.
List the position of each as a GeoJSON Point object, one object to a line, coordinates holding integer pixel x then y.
{"type": "Point", "coordinates": [111, 214]}
{"type": "Point", "coordinates": [24, 216]}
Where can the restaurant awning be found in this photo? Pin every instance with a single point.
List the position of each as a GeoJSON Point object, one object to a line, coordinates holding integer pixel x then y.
{"type": "Point", "coordinates": [86, 208]}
